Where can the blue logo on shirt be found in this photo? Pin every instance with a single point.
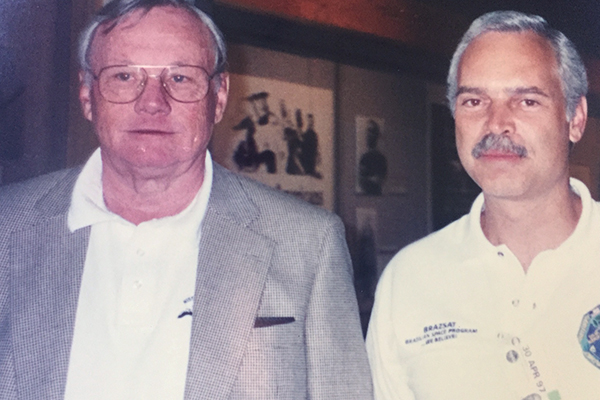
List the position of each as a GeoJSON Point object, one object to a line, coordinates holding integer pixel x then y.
{"type": "Point", "coordinates": [589, 336]}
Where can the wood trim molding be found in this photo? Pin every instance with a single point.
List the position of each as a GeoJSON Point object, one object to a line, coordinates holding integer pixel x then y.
{"type": "Point", "coordinates": [411, 23]}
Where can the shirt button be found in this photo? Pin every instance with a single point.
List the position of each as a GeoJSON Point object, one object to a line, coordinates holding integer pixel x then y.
{"type": "Point", "coordinates": [515, 302]}
{"type": "Point", "coordinates": [140, 252]}
{"type": "Point", "coordinates": [512, 356]}
{"type": "Point", "coordinates": [137, 284]}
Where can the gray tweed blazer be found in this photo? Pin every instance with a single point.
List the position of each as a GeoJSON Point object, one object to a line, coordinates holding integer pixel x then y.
{"type": "Point", "coordinates": [275, 315]}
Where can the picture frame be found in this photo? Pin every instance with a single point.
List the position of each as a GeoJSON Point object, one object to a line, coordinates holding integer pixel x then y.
{"type": "Point", "coordinates": [371, 162]}
{"type": "Point", "coordinates": [281, 134]}
{"type": "Point", "coordinates": [376, 172]}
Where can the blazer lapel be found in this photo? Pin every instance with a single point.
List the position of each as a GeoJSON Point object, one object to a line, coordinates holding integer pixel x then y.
{"type": "Point", "coordinates": [47, 262]}
{"type": "Point", "coordinates": [232, 270]}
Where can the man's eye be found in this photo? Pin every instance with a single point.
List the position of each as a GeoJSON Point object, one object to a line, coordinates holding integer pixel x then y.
{"type": "Point", "coordinates": [179, 78]}
{"type": "Point", "coordinates": [123, 76]}
{"type": "Point", "coordinates": [530, 103]}
{"type": "Point", "coordinates": [471, 102]}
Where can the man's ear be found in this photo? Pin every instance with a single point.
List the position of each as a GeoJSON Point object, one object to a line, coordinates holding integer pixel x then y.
{"type": "Point", "coordinates": [577, 123]}
{"type": "Point", "coordinates": [222, 96]}
{"type": "Point", "coordinates": [85, 96]}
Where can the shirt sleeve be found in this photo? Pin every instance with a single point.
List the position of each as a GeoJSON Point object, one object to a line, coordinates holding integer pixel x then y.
{"type": "Point", "coordinates": [390, 377]}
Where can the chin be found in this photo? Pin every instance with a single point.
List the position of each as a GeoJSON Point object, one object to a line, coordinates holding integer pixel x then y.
{"type": "Point", "coordinates": [148, 158]}
{"type": "Point", "coordinates": [504, 189]}
{"type": "Point", "coordinates": [505, 185]}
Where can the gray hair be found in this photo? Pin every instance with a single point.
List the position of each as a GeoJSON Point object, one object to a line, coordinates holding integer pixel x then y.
{"type": "Point", "coordinates": [571, 71]}
{"type": "Point", "coordinates": [114, 12]}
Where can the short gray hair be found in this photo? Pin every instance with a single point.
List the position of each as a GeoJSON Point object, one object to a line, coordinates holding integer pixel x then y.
{"type": "Point", "coordinates": [571, 71]}
{"type": "Point", "coordinates": [114, 12]}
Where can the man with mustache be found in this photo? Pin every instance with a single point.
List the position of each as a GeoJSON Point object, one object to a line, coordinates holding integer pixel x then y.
{"type": "Point", "coordinates": [503, 303]}
{"type": "Point", "coordinates": [153, 273]}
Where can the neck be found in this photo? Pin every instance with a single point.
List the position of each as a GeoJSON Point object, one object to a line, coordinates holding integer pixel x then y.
{"type": "Point", "coordinates": [529, 227]}
{"type": "Point", "coordinates": [139, 197]}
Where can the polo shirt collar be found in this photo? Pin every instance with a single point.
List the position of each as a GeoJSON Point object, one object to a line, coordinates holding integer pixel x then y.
{"type": "Point", "coordinates": [585, 223]}
{"type": "Point", "coordinates": [87, 202]}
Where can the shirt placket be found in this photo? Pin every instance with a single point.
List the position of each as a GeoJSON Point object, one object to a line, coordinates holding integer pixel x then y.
{"type": "Point", "coordinates": [521, 305]}
{"type": "Point", "coordinates": [514, 307]}
{"type": "Point", "coordinates": [137, 282]}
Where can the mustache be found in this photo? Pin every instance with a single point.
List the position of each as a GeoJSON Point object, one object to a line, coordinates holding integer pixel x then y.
{"type": "Point", "coordinates": [501, 143]}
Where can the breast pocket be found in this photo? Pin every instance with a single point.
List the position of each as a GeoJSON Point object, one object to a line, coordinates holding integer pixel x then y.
{"type": "Point", "coordinates": [274, 366]}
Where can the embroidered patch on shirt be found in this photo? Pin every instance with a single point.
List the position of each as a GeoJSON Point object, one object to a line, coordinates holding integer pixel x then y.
{"type": "Point", "coordinates": [440, 332]}
{"type": "Point", "coordinates": [589, 336]}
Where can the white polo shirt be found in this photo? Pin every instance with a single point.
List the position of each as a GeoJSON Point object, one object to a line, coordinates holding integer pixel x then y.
{"type": "Point", "coordinates": [457, 318]}
{"type": "Point", "coordinates": [133, 321]}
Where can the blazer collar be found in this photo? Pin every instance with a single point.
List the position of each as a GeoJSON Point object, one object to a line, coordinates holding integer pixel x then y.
{"type": "Point", "coordinates": [57, 200]}
{"type": "Point", "coordinates": [229, 199]}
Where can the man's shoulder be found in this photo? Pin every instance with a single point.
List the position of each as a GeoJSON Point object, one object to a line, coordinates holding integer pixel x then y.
{"type": "Point", "coordinates": [437, 248]}
{"type": "Point", "coordinates": [53, 189]}
{"type": "Point", "coordinates": [276, 204]}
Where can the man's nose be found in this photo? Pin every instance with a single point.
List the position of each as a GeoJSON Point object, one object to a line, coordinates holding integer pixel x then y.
{"type": "Point", "coordinates": [500, 119]}
{"type": "Point", "coordinates": [154, 98]}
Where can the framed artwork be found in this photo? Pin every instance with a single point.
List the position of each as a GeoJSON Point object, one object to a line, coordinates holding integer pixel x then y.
{"type": "Point", "coordinates": [371, 162]}
{"type": "Point", "coordinates": [279, 133]}
{"type": "Point", "coordinates": [375, 174]}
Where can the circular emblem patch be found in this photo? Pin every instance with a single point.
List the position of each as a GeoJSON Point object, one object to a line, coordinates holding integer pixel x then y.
{"type": "Point", "coordinates": [589, 336]}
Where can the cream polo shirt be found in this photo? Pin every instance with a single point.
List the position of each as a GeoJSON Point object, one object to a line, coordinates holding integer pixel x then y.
{"type": "Point", "coordinates": [457, 318]}
{"type": "Point", "coordinates": [134, 315]}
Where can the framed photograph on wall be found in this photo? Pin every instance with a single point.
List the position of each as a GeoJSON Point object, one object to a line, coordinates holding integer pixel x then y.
{"type": "Point", "coordinates": [372, 164]}
{"type": "Point", "coordinates": [376, 173]}
{"type": "Point", "coordinates": [279, 133]}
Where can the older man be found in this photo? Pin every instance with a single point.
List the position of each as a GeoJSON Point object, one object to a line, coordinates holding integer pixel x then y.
{"type": "Point", "coordinates": [503, 303]}
{"type": "Point", "coordinates": [152, 273]}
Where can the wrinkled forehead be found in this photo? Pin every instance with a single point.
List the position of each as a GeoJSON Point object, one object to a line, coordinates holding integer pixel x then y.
{"type": "Point", "coordinates": [162, 35]}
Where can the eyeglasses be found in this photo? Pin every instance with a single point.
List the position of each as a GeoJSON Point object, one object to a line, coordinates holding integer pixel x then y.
{"type": "Point", "coordinates": [125, 83]}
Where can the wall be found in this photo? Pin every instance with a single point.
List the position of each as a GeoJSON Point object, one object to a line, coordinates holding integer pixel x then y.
{"type": "Point", "coordinates": [81, 139]}
{"type": "Point", "coordinates": [34, 70]}
{"type": "Point", "coordinates": [283, 137]}
{"type": "Point", "coordinates": [585, 159]}
{"type": "Point", "coordinates": [265, 63]}
{"type": "Point", "coordinates": [398, 99]}
{"type": "Point", "coordinates": [400, 102]}
{"type": "Point", "coordinates": [401, 212]}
